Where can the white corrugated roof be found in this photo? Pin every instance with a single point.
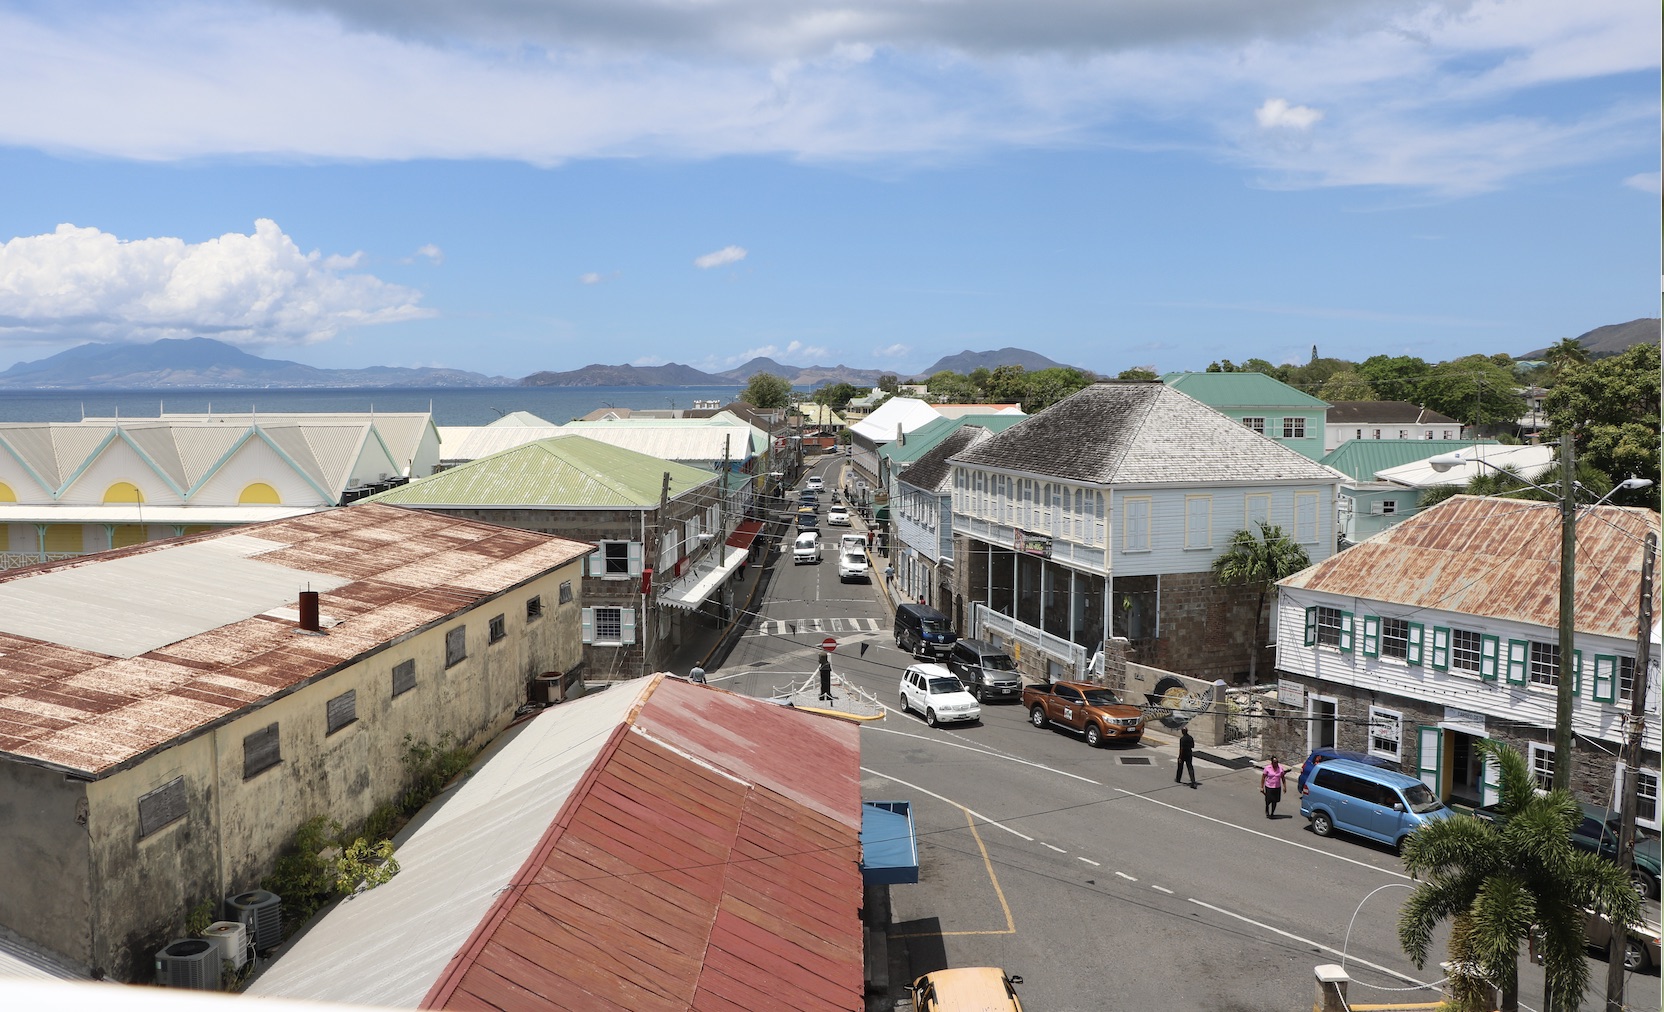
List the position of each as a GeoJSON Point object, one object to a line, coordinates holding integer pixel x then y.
{"type": "Point", "coordinates": [690, 442]}
{"type": "Point", "coordinates": [907, 412]}
{"type": "Point", "coordinates": [1529, 461]}
{"type": "Point", "coordinates": [387, 946]}
{"type": "Point", "coordinates": [471, 442]}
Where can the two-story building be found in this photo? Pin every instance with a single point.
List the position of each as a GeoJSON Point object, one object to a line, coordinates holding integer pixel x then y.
{"type": "Point", "coordinates": [1102, 516]}
{"type": "Point", "coordinates": [1349, 420]}
{"type": "Point", "coordinates": [921, 509]}
{"type": "Point", "coordinates": [1368, 504]}
{"type": "Point", "coordinates": [1443, 631]}
{"type": "Point", "coordinates": [1262, 403]}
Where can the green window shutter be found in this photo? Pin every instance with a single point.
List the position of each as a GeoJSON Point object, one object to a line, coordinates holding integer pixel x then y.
{"type": "Point", "coordinates": [1518, 651]}
{"type": "Point", "coordinates": [1577, 672]}
{"type": "Point", "coordinates": [1429, 742]}
{"type": "Point", "coordinates": [1489, 647]}
{"type": "Point", "coordinates": [1441, 648]}
{"type": "Point", "coordinates": [1345, 632]}
{"type": "Point", "coordinates": [1606, 678]}
{"type": "Point", "coordinates": [1412, 655]}
{"type": "Point", "coordinates": [1372, 636]}
{"type": "Point", "coordinates": [1490, 783]}
{"type": "Point", "coordinates": [1311, 627]}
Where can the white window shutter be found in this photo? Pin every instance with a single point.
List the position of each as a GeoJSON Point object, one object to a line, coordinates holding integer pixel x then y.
{"type": "Point", "coordinates": [635, 558]}
{"type": "Point", "coordinates": [589, 625]}
{"type": "Point", "coordinates": [627, 625]}
{"type": "Point", "coordinates": [597, 563]}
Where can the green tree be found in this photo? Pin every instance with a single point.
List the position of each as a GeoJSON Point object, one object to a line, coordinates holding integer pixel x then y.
{"type": "Point", "coordinates": [1395, 377]}
{"type": "Point", "coordinates": [1258, 561]}
{"type": "Point", "coordinates": [1046, 387]}
{"type": "Point", "coordinates": [1311, 376]}
{"type": "Point", "coordinates": [1347, 385]}
{"type": "Point", "coordinates": [1565, 352]}
{"type": "Point", "coordinates": [1007, 384]}
{"type": "Point", "coordinates": [1472, 388]}
{"type": "Point", "coordinates": [1137, 374]}
{"type": "Point", "coordinates": [837, 395]}
{"type": "Point", "coordinates": [949, 387]}
{"type": "Point", "coordinates": [889, 382]}
{"type": "Point", "coordinates": [1611, 407]}
{"type": "Point", "coordinates": [766, 390]}
{"type": "Point", "coordinates": [1495, 881]}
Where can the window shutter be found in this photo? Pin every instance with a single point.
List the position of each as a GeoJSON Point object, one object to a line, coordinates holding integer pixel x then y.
{"type": "Point", "coordinates": [341, 711]}
{"type": "Point", "coordinates": [635, 558]}
{"type": "Point", "coordinates": [1490, 783]}
{"type": "Point", "coordinates": [1577, 672]}
{"type": "Point", "coordinates": [1518, 652]}
{"type": "Point", "coordinates": [597, 563]}
{"type": "Point", "coordinates": [1606, 678]}
{"type": "Point", "coordinates": [1488, 649]}
{"type": "Point", "coordinates": [404, 677]}
{"type": "Point", "coordinates": [162, 806]}
{"type": "Point", "coordinates": [627, 625]}
{"type": "Point", "coordinates": [261, 751]}
{"type": "Point", "coordinates": [1346, 632]}
{"type": "Point", "coordinates": [1429, 741]}
{"type": "Point", "coordinates": [1372, 636]}
{"type": "Point", "coordinates": [1311, 627]}
{"type": "Point", "coordinates": [1412, 653]}
{"type": "Point", "coordinates": [589, 625]}
{"type": "Point", "coordinates": [1441, 648]}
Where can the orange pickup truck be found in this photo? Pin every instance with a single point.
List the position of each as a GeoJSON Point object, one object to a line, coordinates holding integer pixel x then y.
{"type": "Point", "coordinates": [1082, 706]}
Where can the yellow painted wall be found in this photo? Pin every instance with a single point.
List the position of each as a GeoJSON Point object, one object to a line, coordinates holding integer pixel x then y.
{"type": "Point", "coordinates": [6, 493]}
{"type": "Point", "coordinates": [257, 493]}
{"type": "Point", "coordinates": [64, 538]}
{"type": "Point", "coordinates": [123, 535]}
{"type": "Point", "coordinates": [123, 491]}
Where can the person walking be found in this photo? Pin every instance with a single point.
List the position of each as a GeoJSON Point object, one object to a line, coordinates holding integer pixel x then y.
{"type": "Point", "coordinates": [1187, 745]}
{"type": "Point", "coordinates": [1271, 782]}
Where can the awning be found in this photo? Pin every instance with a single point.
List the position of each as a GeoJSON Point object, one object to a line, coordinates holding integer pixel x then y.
{"type": "Point", "coordinates": [889, 848]}
{"type": "Point", "coordinates": [744, 534]}
{"type": "Point", "coordinates": [696, 586]}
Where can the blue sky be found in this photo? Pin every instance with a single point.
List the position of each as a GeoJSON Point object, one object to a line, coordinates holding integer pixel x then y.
{"type": "Point", "coordinates": [508, 187]}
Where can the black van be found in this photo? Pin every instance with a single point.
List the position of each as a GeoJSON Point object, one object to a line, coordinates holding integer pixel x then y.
{"type": "Point", "coordinates": [922, 630]}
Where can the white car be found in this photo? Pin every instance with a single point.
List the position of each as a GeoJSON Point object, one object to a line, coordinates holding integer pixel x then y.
{"type": "Point", "coordinates": [806, 548]}
{"type": "Point", "coordinates": [933, 690]}
{"type": "Point", "coordinates": [815, 484]}
{"type": "Point", "coordinates": [852, 566]}
{"type": "Point", "coordinates": [837, 516]}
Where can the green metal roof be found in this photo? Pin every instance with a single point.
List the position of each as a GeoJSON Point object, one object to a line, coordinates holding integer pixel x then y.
{"type": "Point", "coordinates": [1362, 459]}
{"type": "Point", "coordinates": [924, 438]}
{"type": "Point", "coordinates": [1240, 390]}
{"type": "Point", "coordinates": [560, 471]}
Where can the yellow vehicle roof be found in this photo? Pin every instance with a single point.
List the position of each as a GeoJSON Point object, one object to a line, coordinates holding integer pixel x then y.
{"type": "Point", "coordinates": [966, 989]}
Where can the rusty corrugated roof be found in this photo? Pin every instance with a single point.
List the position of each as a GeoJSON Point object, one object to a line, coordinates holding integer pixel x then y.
{"type": "Point", "coordinates": [709, 860]}
{"type": "Point", "coordinates": [1498, 558]}
{"type": "Point", "coordinates": [390, 571]}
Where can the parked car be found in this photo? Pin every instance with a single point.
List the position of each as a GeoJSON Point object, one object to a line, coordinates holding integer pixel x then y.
{"type": "Point", "coordinates": [1641, 951]}
{"type": "Point", "coordinates": [966, 989]}
{"type": "Point", "coordinates": [1325, 753]}
{"type": "Point", "coordinates": [837, 516]}
{"type": "Point", "coordinates": [1381, 805]}
{"type": "Point", "coordinates": [986, 670]}
{"type": "Point", "coordinates": [807, 518]}
{"type": "Point", "coordinates": [1597, 833]}
{"type": "Point", "coordinates": [852, 566]}
{"type": "Point", "coordinates": [1082, 706]}
{"type": "Point", "coordinates": [806, 548]}
{"type": "Point", "coordinates": [921, 629]}
{"type": "Point", "coordinates": [815, 483]}
{"type": "Point", "coordinates": [932, 690]}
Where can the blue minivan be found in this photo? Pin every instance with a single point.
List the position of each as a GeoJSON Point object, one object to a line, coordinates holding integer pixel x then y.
{"type": "Point", "coordinates": [1367, 801]}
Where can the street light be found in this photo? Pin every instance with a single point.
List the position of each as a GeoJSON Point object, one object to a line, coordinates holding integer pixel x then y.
{"type": "Point", "coordinates": [1567, 498]}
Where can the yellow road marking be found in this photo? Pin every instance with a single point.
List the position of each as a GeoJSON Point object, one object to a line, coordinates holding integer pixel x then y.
{"type": "Point", "coordinates": [1010, 926]}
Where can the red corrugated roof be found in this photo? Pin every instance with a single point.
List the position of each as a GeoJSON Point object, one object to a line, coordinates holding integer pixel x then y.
{"type": "Point", "coordinates": [709, 860]}
{"type": "Point", "coordinates": [744, 534]}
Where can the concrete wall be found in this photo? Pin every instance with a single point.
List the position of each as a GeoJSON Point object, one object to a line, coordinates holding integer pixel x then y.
{"type": "Point", "coordinates": [46, 891]}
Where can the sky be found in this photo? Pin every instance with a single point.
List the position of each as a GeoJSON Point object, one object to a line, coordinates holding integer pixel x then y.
{"type": "Point", "coordinates": [508, 187]}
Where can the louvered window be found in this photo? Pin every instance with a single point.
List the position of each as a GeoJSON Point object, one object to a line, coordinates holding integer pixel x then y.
{"type": "Point", "coordinates": [341, 711]}
{"type": "Point", "coordinates": [162, 807]}
{"type": "Point", "coordinates": [261, 751]}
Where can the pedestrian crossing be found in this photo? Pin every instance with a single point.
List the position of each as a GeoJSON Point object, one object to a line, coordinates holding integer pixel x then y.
{"type": "Point", "coordinates": [815, 626]}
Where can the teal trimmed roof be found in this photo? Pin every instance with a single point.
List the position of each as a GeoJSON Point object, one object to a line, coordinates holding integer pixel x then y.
{"type": "Point", "coordinates": [1362, 459]}
{"type": "Point", "coordinates": [563, 471]}
{"type": "Point", "coordinates": [1233, 390]}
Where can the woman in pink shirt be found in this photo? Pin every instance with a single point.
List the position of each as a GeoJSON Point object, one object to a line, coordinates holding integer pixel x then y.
{"type": "Point", "coordinates": [1271, 782]}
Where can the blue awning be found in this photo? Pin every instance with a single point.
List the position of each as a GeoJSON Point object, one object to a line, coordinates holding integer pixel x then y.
{"type": "Point", "coordinates": [889, 848]}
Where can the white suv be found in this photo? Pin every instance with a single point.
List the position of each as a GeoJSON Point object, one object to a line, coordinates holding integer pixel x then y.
{"type": "Point", "coordinates": [806, 548]}
{"type": "Point", "coordinates": [815, 484]}
{"type": "Point", "coordinates": [936, 692]}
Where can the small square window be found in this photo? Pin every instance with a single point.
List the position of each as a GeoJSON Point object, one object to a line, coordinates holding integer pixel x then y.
{"type": "Point", "coordinates": [341, 711]}
{"type": "Point", "coordinates": [1395, 639]}
{"type": "Point", "coordinates": [534, 609]}
{"type": "Point", "coordinates": [404, 677]}
{"type": "Point", "coordinates": [1542, 766]}
{"type": "Point", "coordinates": [615, 558]}
{"type": "Point", "coordinates": [1329, 622]}
{"type": "Point", "coordinates": [609, 624]}
{"type": "Point", "coordinates": [1386, 733]}
{"type": "Point", "coordinates": [1294, 428]}
{"type": "Point", "coordinates": [497, 629]}
{"type": "Point", "coordinates": [1646, 797]}
{"type": "Point", "coordinates": [1389, 506]}
{"type": "Point", "coordinates": [261, 751]}
{"type": "Point", "coordinates": [1257, 424]}
{"type": "Point", "coordinates": [1464, 650]}
{"type": "Point", "coordinates": [456, 646]}
{"type": "Point", "coordinates": [566, 592]}
{"type": "Point", "coordinates": [1545, 663]}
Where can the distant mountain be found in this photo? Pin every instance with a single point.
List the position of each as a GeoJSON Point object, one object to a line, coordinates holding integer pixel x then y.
{"type": "Point", "coordinates": [205, 364]}
{"type": "Point", "coordinates": [1612, 338]}
{"type": "Point", "coordinates": [672, 375]}
{"type": "Point", "coordinates": [968, 361]}
{"type": "Point", "coordinates": [803, 376]}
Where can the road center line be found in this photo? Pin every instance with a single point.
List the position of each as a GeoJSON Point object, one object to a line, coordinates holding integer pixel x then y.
{"type": "Point", "coordinates": [1122, 874]}
{"type": "Point", "coordinates": [1060, 850]}
{"type": "Point", "coordinates": [1307, 941]}
{"type": "Point", "coordinates": [1090, 862]}
{"type": "Point", "coordinates": [938, 797]}
{"type": "Point", "coordinates": [980, 751]}
{"type": "Point", "coordinates": [1162, 889]}
{"type": "Point", "coordinates": [1268, 836]}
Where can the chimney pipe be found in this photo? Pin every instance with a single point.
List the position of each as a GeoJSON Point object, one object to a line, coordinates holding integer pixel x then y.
{"type": "Point", "coordinates": [309, 611]}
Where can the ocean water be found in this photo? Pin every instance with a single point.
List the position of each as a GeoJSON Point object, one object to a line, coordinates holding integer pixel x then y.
{"type": "Point", "coordinates": [464, 406]}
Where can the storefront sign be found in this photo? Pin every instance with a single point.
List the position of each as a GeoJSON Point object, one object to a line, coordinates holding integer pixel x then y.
{"type": "Point", "coordinates": [1033, 544]}
{"type": "Point", "coordinates": [1466, 721]}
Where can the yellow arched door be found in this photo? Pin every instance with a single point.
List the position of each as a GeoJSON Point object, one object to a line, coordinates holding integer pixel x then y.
{"type": "Point", "coordinates": [123, 491]}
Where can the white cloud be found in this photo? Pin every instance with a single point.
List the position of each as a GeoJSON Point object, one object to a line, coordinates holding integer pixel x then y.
{"type": "Point", "coordinates": [259, 289]}
{"type": "Point", "coordinates": [590, 278]}
{"type": "Point", "coordinates": [717, 258]}
{"type": "Point", "coordinates": [1277, 114]}
{"type": "Point", "coordinates": [891, 351]}
{"type": "Point", "coordinates": [647, 360]}
{"type": "Point", "coordinates": [343, 262]}
{"type": "Point", "coordinates": [800, 353]}
{"type": "Point", "coordinates": [431, 253]}
{"type": "Point", "coordinates": [1646, 182]}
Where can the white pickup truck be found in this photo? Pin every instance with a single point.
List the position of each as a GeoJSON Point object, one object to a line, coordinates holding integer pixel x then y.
{"type": "Point", "coordinates": [852, 557]}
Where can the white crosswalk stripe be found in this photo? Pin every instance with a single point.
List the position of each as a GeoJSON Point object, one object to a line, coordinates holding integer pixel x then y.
{"type": "Point", "coordinates": [814, 626]}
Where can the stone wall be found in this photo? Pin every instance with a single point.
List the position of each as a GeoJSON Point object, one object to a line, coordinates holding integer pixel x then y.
{"type": "Point", "coordinates": [1204, 630]}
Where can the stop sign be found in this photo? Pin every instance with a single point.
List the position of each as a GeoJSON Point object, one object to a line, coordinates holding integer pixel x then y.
{"type": "Point", "coordinates": [829, 644]}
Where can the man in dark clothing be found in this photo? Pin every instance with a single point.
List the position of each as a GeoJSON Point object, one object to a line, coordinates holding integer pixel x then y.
{"type": "Point", "coordinates": [1187, 745]}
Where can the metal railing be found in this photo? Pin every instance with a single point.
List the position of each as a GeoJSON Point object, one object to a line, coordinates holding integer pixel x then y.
{"type": "Point", "coordinates": [15, 560]}
{"type": "Point", "coordinates": [985, 620]}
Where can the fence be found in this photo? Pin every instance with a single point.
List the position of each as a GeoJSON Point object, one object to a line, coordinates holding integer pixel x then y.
{"type": "Point", "coordinates": [986, 622]}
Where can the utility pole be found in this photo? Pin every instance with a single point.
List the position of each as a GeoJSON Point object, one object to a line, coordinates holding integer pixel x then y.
{"type": "Point", "coordinates": [1631, 764]}
{"type": "Point", "coordinates": [1568, 617]}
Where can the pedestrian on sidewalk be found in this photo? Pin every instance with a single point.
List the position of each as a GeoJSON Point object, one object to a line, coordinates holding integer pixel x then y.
{"type": "Point", "coordinates": [1187, 745]}
{"type": "Point", "coordinates": [1271, 782]}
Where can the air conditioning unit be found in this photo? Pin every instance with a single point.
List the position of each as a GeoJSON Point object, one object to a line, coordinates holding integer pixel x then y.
{"type": "Point", "coordinates": [262, 912]}
{"type": "Point", "coordinates": [232, 938]}
{"type": "Point", "coordinates": [189, 962]}
{"type": "Point", "coordinates": [1374, 509]}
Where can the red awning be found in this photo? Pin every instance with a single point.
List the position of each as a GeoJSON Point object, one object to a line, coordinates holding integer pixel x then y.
{"type": "Point", "coordinates": [744, 534]}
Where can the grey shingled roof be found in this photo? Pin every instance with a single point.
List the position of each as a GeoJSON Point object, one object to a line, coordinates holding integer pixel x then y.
{"type": "Point", "coordinates": [1141, 433]}
{"type": "Point", "coordinates": [933, 471]}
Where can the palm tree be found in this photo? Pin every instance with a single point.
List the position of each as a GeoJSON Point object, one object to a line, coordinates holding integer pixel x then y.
{"type": "Point", "coordinates": [1259, 561]}
{"type": "Point", "coordinates": [1498, 882]}
{"type": "Point", "coordinates": [1564, 352]}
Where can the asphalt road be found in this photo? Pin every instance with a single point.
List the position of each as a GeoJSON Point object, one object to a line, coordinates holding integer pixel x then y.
{"type": "Point", "coordinates": [1089, 871]}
